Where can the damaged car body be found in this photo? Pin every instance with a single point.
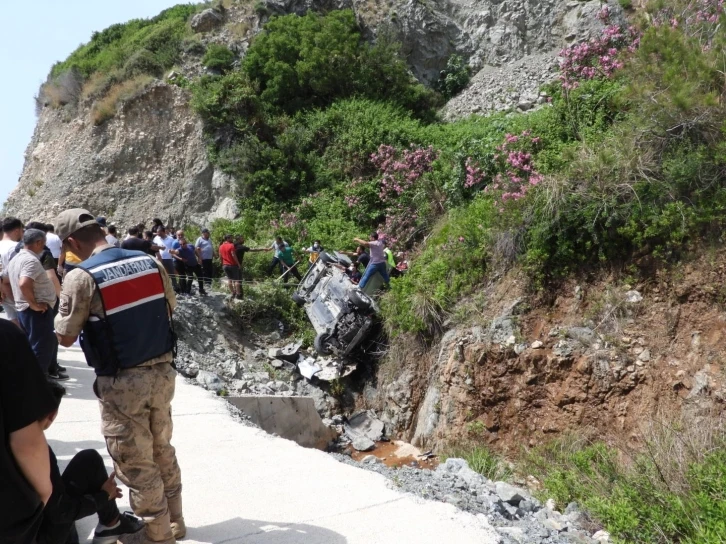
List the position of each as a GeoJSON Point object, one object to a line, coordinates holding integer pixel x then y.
{"type": "Point", "coordinates": [341, 313]}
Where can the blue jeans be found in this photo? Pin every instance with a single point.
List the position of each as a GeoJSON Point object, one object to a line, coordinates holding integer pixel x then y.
{"type": "Point", "coordinates": [371, 269]}
{"type": "Point", "coordinates": [39, 329]}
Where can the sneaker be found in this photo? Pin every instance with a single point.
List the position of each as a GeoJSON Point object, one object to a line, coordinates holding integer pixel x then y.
{"type": "Point", "coordinates": [61, 368]}
{"type": "Point", "coordinates": [128, 524]}
{"type": "Point", "coordinates": [57, 375]}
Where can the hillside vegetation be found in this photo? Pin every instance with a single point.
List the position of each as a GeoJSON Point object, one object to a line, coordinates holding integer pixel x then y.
{"type": "Point", "coordinates": [329, 137]}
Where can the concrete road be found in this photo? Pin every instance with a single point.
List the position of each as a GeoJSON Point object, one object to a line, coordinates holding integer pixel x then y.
{"type": "Point", "coordinates": [242, 485]}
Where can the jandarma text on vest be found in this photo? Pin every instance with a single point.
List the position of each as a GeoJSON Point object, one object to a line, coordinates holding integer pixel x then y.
{"type": "Point", "coordinates": [125, 269]}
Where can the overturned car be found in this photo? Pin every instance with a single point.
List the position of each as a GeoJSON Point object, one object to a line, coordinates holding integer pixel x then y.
{"type": "Point", "coordinates": [341, 313]}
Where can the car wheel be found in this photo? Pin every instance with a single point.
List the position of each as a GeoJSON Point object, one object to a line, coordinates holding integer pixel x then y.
{"type": "Point", "coordinates": [297, 299]}
{"type": "Point", "coordinates": [321, 344]}
{"type": "Point", "coordinates": [359, 300]}
{"type": "Point", "coordinates": [326, 258]}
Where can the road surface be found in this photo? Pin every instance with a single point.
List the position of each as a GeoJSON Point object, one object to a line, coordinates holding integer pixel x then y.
{"type": "Point", "coordinates": [242, 485]}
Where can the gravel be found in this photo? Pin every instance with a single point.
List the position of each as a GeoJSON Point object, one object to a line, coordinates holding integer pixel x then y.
{"type": "Point", "coordinates": [513, 512]}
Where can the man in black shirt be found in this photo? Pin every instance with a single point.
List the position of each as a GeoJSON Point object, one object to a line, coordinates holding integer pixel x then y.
{"type": "Point", "coordinates": [84, 489]}
{"type": "Point", "coordinates": [240, 249]}
{"type": "Point", "coordinates": [25, 399]}
{"type": "Point", "coordinates": [136, 243]}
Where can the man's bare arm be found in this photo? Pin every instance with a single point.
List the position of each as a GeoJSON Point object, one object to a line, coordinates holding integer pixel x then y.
{"type": "Point", "coordinates": [362, 242]}
{"type": "Point", "coordinates": [30, 451]}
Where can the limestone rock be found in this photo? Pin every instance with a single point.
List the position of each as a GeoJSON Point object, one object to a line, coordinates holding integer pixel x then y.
{"type": "Point", "coordinates": [207, 20]}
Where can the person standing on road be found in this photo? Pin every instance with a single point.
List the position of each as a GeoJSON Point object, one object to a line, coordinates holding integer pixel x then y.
{"type": "Point", "coordinates": [35, 298]}
{"type": "Point", "coordinates": [167, 242]}
{"type": "Point", "coordinates": [378, 260]}
{"type": "Point", "coordinates": [206, 253]}
{"type": "Point", "coordinates": [53, 242]}
{"type": "Point", "coordinates": [12, 234]}
{"type": "Point", "coordinates": [111, 236]}
{"type": "Point", "coordinates": [55, 371]}
{"type": "Point", "coordinates": [122, 302]}
{"type": "Point", "coordinates": [231, 266]}
{"type": "Point", "coordinates": [25, 399]}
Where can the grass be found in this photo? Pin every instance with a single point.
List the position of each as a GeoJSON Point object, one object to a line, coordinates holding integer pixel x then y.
{"type": "Point", "coordinates": [106, 108]}
{"type": "Point", "coordinates": [671, 490]}
{"type": "Point", "coordinates": [482, 460]}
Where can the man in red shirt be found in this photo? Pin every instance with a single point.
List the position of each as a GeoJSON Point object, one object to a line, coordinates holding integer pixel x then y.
{"type": "Point", "coordinates": [231, 265]}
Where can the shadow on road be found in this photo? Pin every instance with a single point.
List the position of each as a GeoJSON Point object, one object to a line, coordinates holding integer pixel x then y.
{"type": "Point", "coordinates": [248, 531]}
{"type": "Point", "coordinates": [65, 451]}
{"type": "Point", "coordinates": [79, 386]}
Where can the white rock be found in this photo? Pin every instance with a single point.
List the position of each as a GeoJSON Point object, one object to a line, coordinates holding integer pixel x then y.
{"type": "Point", "coordinates": [633, 296]}
{"type": "Point", "coordinates": [537, 345]}
{"type": "Point", "coordinates": [601, 536]}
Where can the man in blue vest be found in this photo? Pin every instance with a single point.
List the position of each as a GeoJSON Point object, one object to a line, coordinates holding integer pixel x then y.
{"type": "Point", "coordinates": [119, 302]}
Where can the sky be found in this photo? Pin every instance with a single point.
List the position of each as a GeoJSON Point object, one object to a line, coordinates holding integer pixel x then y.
{"type": "Point", "coordinates": [33, 38]}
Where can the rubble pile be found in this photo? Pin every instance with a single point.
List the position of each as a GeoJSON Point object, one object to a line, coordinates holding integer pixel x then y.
{"type": "Point", "coordinates": [219, 354]}
{"type": "Point", "coordinates": [514, 512]}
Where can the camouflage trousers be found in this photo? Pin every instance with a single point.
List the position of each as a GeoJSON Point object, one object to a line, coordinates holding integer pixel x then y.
{"type": "Point", "coordinates": [137, 425]}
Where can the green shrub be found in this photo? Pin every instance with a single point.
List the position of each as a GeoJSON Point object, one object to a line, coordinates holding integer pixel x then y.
{"type": "Point", "coordinates": [454, 77]}
{"type": "Point", "coordinates": [270, 299]}
{"type": "Point", "coordinates": [309, 61]}
{"type": "Point", "coordinates": [672, 492]}
{"type": "Point", "coordinates": [219, 57]}
{"type": "Point", "coordinates": [482, 460]}
{"type": "Point", "coordinates": [112, 48]}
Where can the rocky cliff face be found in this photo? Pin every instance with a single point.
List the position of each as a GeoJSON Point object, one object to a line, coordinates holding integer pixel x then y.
{"type": "Point", "coordinates": [150, 159]}
{"type": "Point", "coordinates": [602, 358]}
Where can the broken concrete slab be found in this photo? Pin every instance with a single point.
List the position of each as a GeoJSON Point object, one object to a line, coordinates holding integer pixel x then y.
{"type": "Point", "coordinates": [365, 424]}
{"type": "Point", "coordinates": [294, 418]}
{"type": "Point", "coordinates": [333, 369]}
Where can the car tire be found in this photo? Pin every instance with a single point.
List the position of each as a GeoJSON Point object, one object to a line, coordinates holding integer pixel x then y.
{"type": "Point", "coordinates": [327, 259]}
{"type": "Point", "coordinates": [321, 344]}
{"type": "Point", "coordinates": [359, 300]}
{"type": "Point", "coordinates": [297, 299]}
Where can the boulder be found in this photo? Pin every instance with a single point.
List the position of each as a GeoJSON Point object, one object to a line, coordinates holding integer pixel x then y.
{"type": "Point", "coordinates": [365, 424]}
{"type": "Point", "coordinates": [361, 443]}
{"type": "Point", "coordinates": [210, 381]}
{"type": "Point", "coordinates": [207, 20]}
{"type": "Point", "coordinates": [509, 493]}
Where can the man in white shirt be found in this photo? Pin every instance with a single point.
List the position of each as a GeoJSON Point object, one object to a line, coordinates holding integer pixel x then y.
{"type": "Point", "coordinates": [111, 236]}
{"type": "Point", "coordinates": [162, 239]}
{"type": "Point", "coordinates": [53, 242]}
{"type": "Point", "coordinates": [35, 297]}
{"type": "Point", "coordinates": [206, 251]}
{"type": "Point", "coordinates": [12, 233]}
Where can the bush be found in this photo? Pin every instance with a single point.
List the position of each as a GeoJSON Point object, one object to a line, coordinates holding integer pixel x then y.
{"type": "Point", "coordinates": [105, 108]}
{"type": "Point", "coordinates": [62, 90]}
{"type": "Point", "coordinates": [454, 77]}
{"type": "Point", "coordinates": [218, 57]}
{"type": "Point", "coordinates": [111, 49]}
{"type": "Point", "coordinates": [305, 62]}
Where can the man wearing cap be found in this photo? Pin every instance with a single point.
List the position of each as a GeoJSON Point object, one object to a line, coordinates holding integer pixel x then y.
{"type": "Point", "coordinates": [35, 297]}
{"type": "Point", "coordinates": [120, 303]}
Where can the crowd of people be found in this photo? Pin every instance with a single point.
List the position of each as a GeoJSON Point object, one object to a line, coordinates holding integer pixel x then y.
{"type": "Point", "coordinates": [77, 282]}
